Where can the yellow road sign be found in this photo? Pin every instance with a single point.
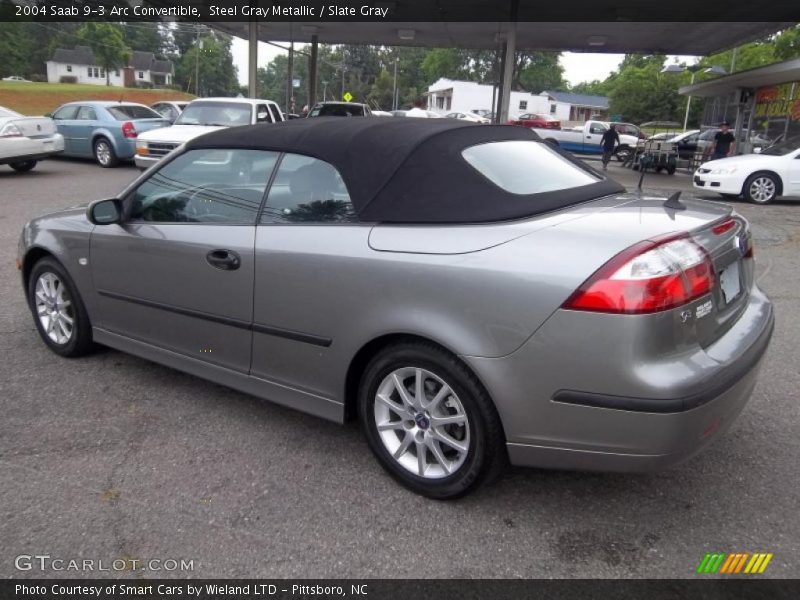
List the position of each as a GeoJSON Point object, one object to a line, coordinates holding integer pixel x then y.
{"type": "Point", "coordinates": [347, 96]}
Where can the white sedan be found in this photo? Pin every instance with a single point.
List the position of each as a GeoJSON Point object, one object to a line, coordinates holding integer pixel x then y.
{"type": "Point", "coordinates": [467, 117]}
{"type": "Point", "coordinates": [759, 177]}
{"type": "Point", "coordinates": [26, 140]}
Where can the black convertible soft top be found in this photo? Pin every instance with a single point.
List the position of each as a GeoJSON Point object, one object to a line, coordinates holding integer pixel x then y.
{"type": "Point", "coordinates": [409, 170]}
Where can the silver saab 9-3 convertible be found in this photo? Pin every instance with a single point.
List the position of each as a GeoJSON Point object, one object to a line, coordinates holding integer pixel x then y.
{"type": "Point", "coordinates": [469, 293]}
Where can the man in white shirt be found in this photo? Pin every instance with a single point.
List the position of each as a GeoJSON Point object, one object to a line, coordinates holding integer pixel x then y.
{"type": "Point", "coordinates": [417, 111]}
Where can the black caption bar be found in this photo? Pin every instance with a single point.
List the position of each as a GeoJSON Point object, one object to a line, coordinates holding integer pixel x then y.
{"type": "Point", "coordinates": [307, 11]}
{"type": "Point", "coordinates": [383, 589]}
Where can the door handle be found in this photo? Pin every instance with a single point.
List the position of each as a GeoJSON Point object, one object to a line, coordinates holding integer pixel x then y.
{"type": "Point", "coordinates": [225, 260]}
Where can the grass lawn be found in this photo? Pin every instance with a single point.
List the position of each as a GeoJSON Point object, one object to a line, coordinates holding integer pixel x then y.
{"type": "Point", "coordinates": [41, 98]}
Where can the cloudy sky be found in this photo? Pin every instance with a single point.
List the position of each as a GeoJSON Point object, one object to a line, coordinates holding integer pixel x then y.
{"type": "Point", "coordinates": [578, 67]}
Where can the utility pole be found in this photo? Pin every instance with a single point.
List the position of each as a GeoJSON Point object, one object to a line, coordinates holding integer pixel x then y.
{"type": "Point", "coordinates": [290, 79]}
{"type": "Point", "coordinates": [342, 95]}
{"type": "Point", "coordinates": [197, 60]}
{"type": "Point", "coordinates": [394, 89]}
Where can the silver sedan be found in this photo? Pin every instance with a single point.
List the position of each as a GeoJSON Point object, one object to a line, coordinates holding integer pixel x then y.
{"type": "Point", "coordinates": [470, 294]}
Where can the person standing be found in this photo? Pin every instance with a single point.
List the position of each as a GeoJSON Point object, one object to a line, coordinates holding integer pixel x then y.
{"type": "Point", "coordinates": [609, 141]}
{"type": "Point", "coordinates": [724, 142]}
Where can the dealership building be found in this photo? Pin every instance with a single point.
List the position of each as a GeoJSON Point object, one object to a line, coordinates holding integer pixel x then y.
{"type": "Point", "coordinates": [764, 101]}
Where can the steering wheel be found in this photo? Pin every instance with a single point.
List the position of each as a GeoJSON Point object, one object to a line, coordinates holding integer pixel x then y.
{"type": "Point", "coordinates": [197, 203]}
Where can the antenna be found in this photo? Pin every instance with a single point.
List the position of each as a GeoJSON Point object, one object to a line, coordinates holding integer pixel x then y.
{"type": "Point", "coordinates": [674, 203]}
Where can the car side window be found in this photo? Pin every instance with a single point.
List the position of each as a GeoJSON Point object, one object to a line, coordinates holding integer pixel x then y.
{"type": "Point", "coordinates": [205, 186]}
{"type": "Point", "coordinates": [595, 128]}
{"type": "Point", "coordinates": [66, 113]}
{"type": "Point", "coordinates": [87, 113]}
{"type": "Point", "coordinates": [262, 114]}
{"type": "Point", "coordinates": [307, 190]}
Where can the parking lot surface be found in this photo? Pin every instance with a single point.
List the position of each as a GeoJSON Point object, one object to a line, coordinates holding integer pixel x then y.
{"type": "Point", "coordinates": [111, 457]}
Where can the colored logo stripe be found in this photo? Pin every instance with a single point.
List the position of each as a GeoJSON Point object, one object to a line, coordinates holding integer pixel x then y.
{"type": "Point", "coordinates": [734, 563]}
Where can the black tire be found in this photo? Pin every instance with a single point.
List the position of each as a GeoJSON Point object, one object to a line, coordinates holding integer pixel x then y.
{"type": "Point", "coordinates": [768, 179]}
{"type": "Point", "coordinates": [80, 342]}
{"type": "Point", "coordinates": [104, 153]}
{"type": "Point", "coordinates": [671, 169]}
{"type": "Point", "coordinates": [24, 166]}
{"type": "Point", "coordinates": [659, 169]}
{"type": "Point", "coordinates": [486, 454]}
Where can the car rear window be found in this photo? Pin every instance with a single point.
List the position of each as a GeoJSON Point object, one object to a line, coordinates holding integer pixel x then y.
{"type": "Point", "coordinates": [124, 112]}
{"type": "Point", "coordinates": [526, 167]}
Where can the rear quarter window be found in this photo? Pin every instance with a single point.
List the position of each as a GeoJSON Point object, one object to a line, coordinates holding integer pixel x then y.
{"type": "Point", "coordinates": [126, 112]}
{"type": "Point", "coordinates": [526, 167]}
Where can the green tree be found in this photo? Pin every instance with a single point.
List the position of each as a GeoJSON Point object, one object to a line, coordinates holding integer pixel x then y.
{"type": "Point", "coordinates": [539, 71]}
{"type": "Point", "coordinates": [107, 44]}
{"type": "Point", "coordinates": [146, 37]}
{"type": "Point", "coordinates": [381, 93]}
{"type": "Point", "coordinates": [640, 92]}
{"type": "Point", "coordinates": [15, 48]}
{"type": "Point", "coordinates": [212, 58]}
{"type": "Point", "coordinates": [787, 44]}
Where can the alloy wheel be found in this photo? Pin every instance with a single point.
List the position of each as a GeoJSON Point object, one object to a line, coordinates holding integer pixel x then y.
{"type": "Point", "coordinates": [103, 153]}
{"type": "Point", "coordinates": [762, 189]}
{"type": "Point", "coordinates": [422, 423]}
{"type": "Point", "coordinates": [54, 308]}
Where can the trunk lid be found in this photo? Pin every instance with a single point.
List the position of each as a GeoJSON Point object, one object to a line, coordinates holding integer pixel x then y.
{"type": "Point", "coordinates": [143, 125]}
{"type": "Point", "coordinates": [35, 127]}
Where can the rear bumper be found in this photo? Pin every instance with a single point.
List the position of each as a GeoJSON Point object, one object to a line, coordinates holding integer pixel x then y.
{"type": "Point", "coordinates": [22, 149]}
{"type": "Point", "coordinates": [682, 402]}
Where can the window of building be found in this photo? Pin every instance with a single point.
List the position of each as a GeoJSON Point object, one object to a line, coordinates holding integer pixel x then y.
{"type": "Point", "coordinates": [523, 105]}
{"type": "Point", "coordinates": [206, 186]}
{"type": "Point", "coordinates": [141, 74]}
{"type": "Point", "coordinates": [69, 68]}
{"type": "Point", "coordinates": [552, 109]}
{"type": "Point", "coordinates": [449, 103]}
{"type": "Point", "coordinates": [307, 190]}
{"type": "Point", "coordinates": [440, 102]}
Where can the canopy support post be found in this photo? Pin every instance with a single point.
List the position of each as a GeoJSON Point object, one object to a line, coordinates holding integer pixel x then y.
{"type": "Point", "coordinates": [252, 59]}
{"type": "Point", "coordinates": [312, 71]}
{"type": "Point", "coordinates": [509, 53]}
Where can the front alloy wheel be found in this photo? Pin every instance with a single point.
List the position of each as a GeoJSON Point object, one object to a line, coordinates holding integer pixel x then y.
{"type": "Point", "coordinates": [429, 421]}
{"type": "Point", "coordinates": [58, 311]}
{"type": "Point", "coordinates": [761, 189]}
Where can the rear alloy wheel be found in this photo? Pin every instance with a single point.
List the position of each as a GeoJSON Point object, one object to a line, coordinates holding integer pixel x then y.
{"type": "Point", "coordinates": [24, 166]}
{"type": "Point", "coordinates": [623, 154]}
{"type": "Point", "coordinates": [58, 311]}
{"type": "Point", "coordinates": [761, 188]}
{"type": "Point", "coordinates": [104, 153]}
{"type": "Point", "coordinates": [429, 422]}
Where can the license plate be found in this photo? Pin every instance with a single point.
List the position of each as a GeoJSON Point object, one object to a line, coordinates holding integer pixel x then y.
{"type": "Point", "coordinates": [729, 282]}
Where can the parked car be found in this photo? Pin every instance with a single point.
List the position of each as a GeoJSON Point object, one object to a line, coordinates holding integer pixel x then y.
{"type": "Point", "coordinates": [686, 143]}
{"type": "Point", "coordinates": [422, 281]}
{"type": "Point", "coordinates": [483, 112]}
{"type": "Point", "coordinates": [398, 113]}
{"type": "Point", "coordinates": [471, 117]}
{"type": "Point", "coordinates": [26, 140]}
{"type": "Point", "coordinates": [103, 130]}
{"type": "Point", "coordinates": [536, 120]}
{"type": "Point", "coordinates": [203, 116]}
{"type": "Point", "coordinates": [16, 78]}
{"type": "Point", "coordinates": [340, 109]}
{"type": "Point", "coordinates": [169, 110]}
{"type": "Point", "coordinates": [586, 139]}
{"type": "Point", "coordinates": [760, 177]}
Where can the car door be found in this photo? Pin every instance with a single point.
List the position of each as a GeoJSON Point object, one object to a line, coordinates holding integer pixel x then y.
{"type": "Point", "coordinates": [794, 175]}
{"type": "Point", "coordinates": [178, 272]}
{"type": "Point", "coordinates": [65, 121]}
{"type": "Point", "coordinates": [82, 129]}
{"type": "Point", "coordinates": [308, 243]}
{"type": "Point", "coordinates": [593, 138]}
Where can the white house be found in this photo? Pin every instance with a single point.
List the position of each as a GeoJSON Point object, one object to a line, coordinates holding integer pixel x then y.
{"type": "Point", "coordinates": [80, 63]}
{"type": "Point", "coordinates": [447, 95]}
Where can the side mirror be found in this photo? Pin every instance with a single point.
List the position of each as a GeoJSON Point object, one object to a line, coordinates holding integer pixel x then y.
{"type": "Point", "coordinates": [262, 116]}
{"type": "Point", "coordinates": [105, 212]}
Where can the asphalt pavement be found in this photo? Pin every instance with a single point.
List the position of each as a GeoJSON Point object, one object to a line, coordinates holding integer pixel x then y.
{"type": "Point", "coordinates": [111, 457]}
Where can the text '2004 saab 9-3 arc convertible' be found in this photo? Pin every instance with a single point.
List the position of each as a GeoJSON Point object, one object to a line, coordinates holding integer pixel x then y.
{"type": "Point", "coordinates": [469, 293]}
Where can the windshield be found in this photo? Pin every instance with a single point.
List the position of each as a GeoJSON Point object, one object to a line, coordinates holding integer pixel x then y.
{"type": "Point", "coordinates": [220, 114]}
{"type": "Point", "coordinates": [123, 112]}
{"type": "Point", "coordinates": [790, 145]}
{"type": "Point", "coordinates": [338, 110]}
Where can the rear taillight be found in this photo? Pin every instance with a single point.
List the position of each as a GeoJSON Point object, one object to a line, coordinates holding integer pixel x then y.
{"type": "Point", "coordinates": [648, 277]}
{"type": "Point", "coordinates": [128, 130]}
{"type": "Point", "coordinates": [10, 130]}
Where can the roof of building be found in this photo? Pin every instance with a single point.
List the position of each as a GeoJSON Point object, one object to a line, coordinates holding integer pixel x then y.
{"type": "Point", "coordinates": [409, 170]}
{"type": "Point", "coordinates": [578, 99]}
{"type": "Point", "coordinates": [139, 60]}
{"type": "Point", "coordinates": [774, 74]}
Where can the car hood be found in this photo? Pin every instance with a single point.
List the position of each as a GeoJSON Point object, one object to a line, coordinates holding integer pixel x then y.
{"type": "Point", "coordinates": [745, 159]}
{"type": "Point", "coordinates": [177, 133]}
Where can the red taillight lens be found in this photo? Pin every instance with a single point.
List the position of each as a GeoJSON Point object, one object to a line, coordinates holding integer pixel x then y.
{"type": "Point", "coordinates": [723, 227]}
{"type": "Point", "coordinates": [128, 130]}
{"type": "Point", "coordinates": [648, 277]}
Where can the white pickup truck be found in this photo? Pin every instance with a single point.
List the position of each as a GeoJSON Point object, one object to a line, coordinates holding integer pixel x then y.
{"type": "Point", "coordinates": [586, 139]}
{"type": "Point", "coordinates": [202, 116]}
